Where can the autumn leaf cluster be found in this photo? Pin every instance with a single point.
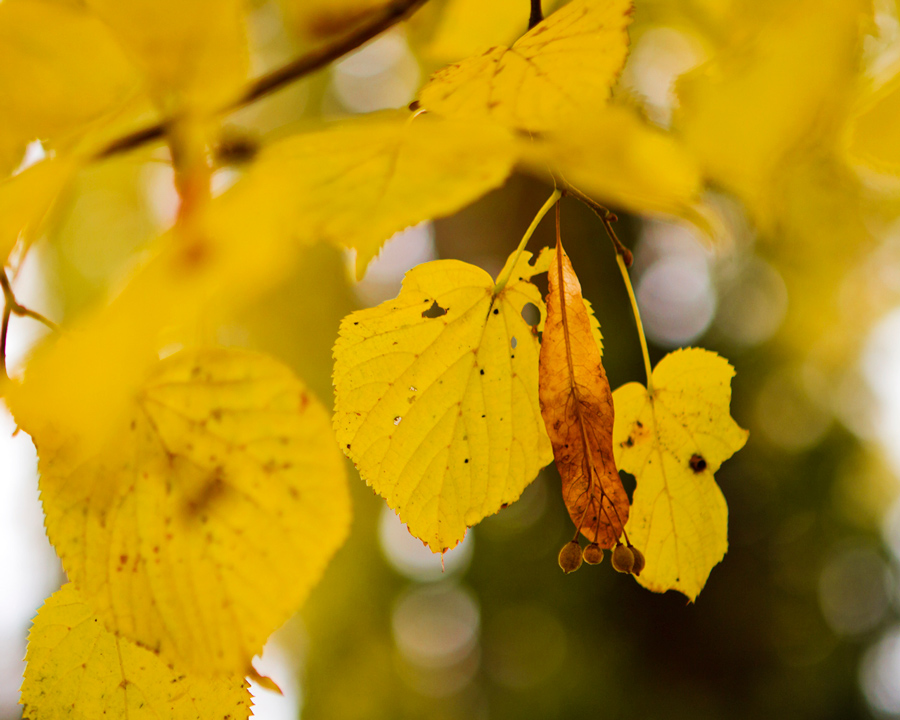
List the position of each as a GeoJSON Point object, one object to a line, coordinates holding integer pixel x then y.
{"type": "Point", "coordinates": [196, 496]}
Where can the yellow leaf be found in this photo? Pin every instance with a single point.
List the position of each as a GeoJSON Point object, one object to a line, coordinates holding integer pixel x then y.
{"type": "Point", "coordinates": [616, 157]}
{"type": "Point", "coordinates": [565, 66]}
{"type": "Point", "coordinates": [436, 396]}
{"type": "Point", "coordinates": [874, 139]}
{"type": "Point", "coordinates": [469, 26]}
{"type": "Point", "coordinates": [743, 112]}
{"type": "Point", "coordinates": [77, 669]}
{"type": "Point", "coordinates": [672, 442]}
{"type": "Point", "coordinates": [193, 53]}
{"type": "Point", "coordinates": [213, 509]}
{"type": "Point", "coordinates": [577, 408]}
{"type": "Point", "coordinates": [360, 182]}
{"type": "Point", "coordinates": [27, 198]}
{"type": "Point", "coordinates": [94, 368]}
{"type": "Point", "coordinates": [60, 69]}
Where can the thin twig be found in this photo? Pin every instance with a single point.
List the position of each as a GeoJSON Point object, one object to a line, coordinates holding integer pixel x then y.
{"type": "Point", "coordinates": [537, 14]}
{"type": "Point", "coordinates": [607, 217]}
{"type": "Point", "coordinates": [10, 303]}
{"type": "Point", "coordinates": [4, 331]}
{"type": "Point", "coordinates": [275, 80]}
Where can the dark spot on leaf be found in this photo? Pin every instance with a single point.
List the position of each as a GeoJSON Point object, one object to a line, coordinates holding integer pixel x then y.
{"type": "Point", "coordinates": [482, 371]}
{"type": "Point", "coordinates": [435, 311]}
{"type": "Point", "coordinates": [496, 311]}
{"type": "Point", "coordinates": [466, 461]}
{"type": "Point", "coordinates": [697, 463]}
{"type": "Point", "coordinates": [629, 442]}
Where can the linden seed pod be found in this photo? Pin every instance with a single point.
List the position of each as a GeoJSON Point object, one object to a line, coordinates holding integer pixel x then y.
{"type": "Point", "coordinates": [639, 561]}
{"type": "Point", "coordinates": [570, 557]}
{"type": "Point", "coordinates": [592, 554]}
{"type": "Point", "coordinates": [622, 559]}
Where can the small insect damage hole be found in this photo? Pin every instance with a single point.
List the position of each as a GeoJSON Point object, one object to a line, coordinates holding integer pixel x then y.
{"type": "Point", "coordinates": [697, 463]}
{"type": "Point", "coordinates": [435, 311]}
{"type": "Point", "coordinates": [513, 343]}
{"type": "Point", "coordinates": [531, 315]}
{"type": "Point", "coordinates": [398, 420]}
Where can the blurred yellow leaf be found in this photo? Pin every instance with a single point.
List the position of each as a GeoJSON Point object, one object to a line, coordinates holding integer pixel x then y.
{"type": "Point", "coordinates": [874, 139]}
{"type": "Point", "coordinates": [193, 53]}
{"type": "Point", "coordinates": [436, 396]}
{"type": "Point", "coordinates": [618, 158]}
{"type": "Point", "coordinates": [358, 183]}
{"type": "Point", "coordinates": [78, 669]}
{"type": "Point", "coordinates": [672, 440]}
{"type": "Point", "coordinates": [60, 69]}
{"type": "Point", "coordinates": [470, 26]}
{"type": "Point", "coordinates": [203, 523]}
{"type": "Point", "coordinates": [94, 367]}
{"type": "Point", "coordinates": [26, 199]}
{"type": "Point", "coordinates": [782, 82]}
{"type": "Point", "coordinates": [565, 66]}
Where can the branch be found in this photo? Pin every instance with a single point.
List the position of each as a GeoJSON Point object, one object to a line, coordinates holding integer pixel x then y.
{"type": "Point", "coordinates": [390, 15]}
{"type": "Point", "coordinates": [12, 307]}
{"type": "Point", "coordinates": [537, 14]}
{"type": "Point", "coordinates": [607, 217]}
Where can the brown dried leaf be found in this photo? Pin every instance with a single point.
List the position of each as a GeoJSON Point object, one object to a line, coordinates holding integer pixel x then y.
{"type": "Point", "coordinates": [577, 407]}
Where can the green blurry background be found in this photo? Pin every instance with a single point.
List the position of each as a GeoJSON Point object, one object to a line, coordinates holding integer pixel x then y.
{"type": "Point", "coordinates": [801, 618]}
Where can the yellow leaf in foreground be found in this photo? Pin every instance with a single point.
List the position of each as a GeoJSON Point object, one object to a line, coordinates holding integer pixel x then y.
{"type": "Point", "coordinates": [672, 442]}
{"type": "Point", "coordinates": [209, 515]}
{"type": "Point", "coordinates": [743, 112]}
{"type": "Point", "coordinates": [26, 199]}
{"type": "Point", "coordinates": [360, 182]}
{"type": "Point", "coordinates": [616, 157]}
{"type": "Point", "coordinates": [192, 52]}
{"type": "Point", "coordinates": [874, 139]}
{"type": "Point", "coordinates": [60, 69]}
{"type": "Point", "coordinates": [436, 396]}
{"type": "Point", "coordinates": [469, 26]}
{"type": "Point", "coordinates": [564, 66]}
{"type": "Point", "coordinates": [77, 669]}
{"type": "Point", "coordinates": [79, 384]}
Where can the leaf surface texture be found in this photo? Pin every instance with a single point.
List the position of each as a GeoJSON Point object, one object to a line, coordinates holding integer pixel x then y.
{"type": "Point", "coordinates": [577, 407]}
{"type": "Point", "coordinates": [440, 411]}
{"type": "Point", "coordinates": [77, 669]}
{"type": "Point", "coordinates": [673, 441]}
{"type": "Point", "coordinates": [210, 513]}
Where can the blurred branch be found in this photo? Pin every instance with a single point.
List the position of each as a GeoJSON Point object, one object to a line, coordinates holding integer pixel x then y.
{"type": "Point", "coordinates": [279, 78]}
{"type": "Point", "coordinates": [537, 14]}
{"type": "Point", "coordinates": [607, 217]}
{"type": "Point", "coordinates": [12, 307]}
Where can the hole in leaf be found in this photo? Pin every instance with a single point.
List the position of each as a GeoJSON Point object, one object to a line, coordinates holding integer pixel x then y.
{"type": "Point", "coordinates": [435, 311]}
{"type": "Point", "coordinates": [513, 343]}
{"type": "Point", "coordinates": [531, 314]}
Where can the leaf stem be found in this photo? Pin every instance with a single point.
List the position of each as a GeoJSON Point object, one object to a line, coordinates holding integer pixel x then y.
{"type": "Point", "coordinates": [279, 78]}
{"type": "Point", "coordinates": [637, 319]}
{"type": "Point", "coordinates": [551, 201]}
{"type": "Point", "coordinates": [537, 14]}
